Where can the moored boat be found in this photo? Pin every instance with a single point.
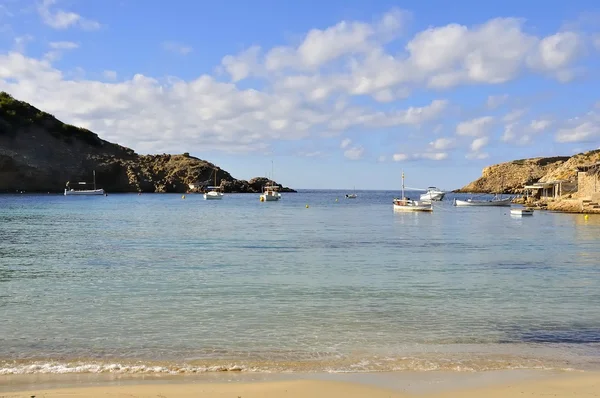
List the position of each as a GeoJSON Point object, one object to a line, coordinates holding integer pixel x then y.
{"type": "Point", "coordinates": [474, 202]}
{"type": "Point", "coordinates": [404, 204]}
{"type": "Point", "coordinates": [73, 192]}
{"type": "Point", "coordinates": [214, 192]}
{"type": "Point", "coordinates": [521, 212]}
{"type": "Point", "coordinates": [433, 194]}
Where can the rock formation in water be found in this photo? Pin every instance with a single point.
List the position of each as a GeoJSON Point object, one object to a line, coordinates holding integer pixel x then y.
{"type": "Point", "coordinates": [39, 153]}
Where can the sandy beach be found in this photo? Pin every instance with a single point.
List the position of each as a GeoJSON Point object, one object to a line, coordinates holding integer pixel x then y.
{"type": "Point", "coordinates": [564, 384]}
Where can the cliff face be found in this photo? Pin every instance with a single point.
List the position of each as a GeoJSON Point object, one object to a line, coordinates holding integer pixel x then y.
{"type": "Point", "coordinates": [510, 177]}
{"type": "Point", "coordinates": [39, 153]}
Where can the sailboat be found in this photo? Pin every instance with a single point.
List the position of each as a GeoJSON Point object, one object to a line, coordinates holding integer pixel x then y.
{"type": "Point", "coordinates": [71, 191]}
{"type": "Point", "coordinates": [351, 195]}
{"type": "Point", "coordinates": [406, 204]}
{"type": "Point", "coordinates": [270, 191]}
{"type": "Point", "coordinates": [214, 192]}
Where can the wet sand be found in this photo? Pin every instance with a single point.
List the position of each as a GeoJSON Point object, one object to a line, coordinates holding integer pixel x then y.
{"type": "Point", "coordinates": [403, 385]}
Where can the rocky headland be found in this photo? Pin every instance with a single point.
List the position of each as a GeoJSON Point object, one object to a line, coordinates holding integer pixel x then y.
{"type": "Point", "coordinates": [511, 177]}
{"type": "Point", "coordinates": [39, 153]}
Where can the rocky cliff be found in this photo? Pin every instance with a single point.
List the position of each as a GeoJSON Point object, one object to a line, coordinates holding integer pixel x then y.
{"type": "Point", "coordinates": [39, 153]}
{"type": "Point", "coordinates": [510, 177]}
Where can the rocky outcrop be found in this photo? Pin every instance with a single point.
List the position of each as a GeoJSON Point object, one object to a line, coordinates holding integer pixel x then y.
{"type": "Point", "coordinates": [39, 153]}
{"type": "Point", "coordinates": [510, 177]}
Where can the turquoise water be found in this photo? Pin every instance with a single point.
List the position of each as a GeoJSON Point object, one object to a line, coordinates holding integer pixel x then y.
{"type": "Point", "coordinates": [158, 284]}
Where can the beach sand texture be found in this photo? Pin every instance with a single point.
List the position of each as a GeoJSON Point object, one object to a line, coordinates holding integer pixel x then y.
{"type": "Point", "coordinates": [566, 385]}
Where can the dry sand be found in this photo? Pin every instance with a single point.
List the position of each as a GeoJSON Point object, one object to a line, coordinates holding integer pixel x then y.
{"type": "Point", "coordinates": [556, 385]}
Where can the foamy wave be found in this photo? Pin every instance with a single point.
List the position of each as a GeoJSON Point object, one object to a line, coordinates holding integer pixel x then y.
{"type": "Point", "coordinates": [63, 368]}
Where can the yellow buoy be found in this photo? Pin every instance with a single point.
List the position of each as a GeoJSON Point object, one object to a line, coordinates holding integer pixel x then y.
{"type": "Point", "coordinates": [336, 199]}
{"type": "Point", "coordinates": [307, 206]}
{"type": "Point", "coordinates": [586, 217]}
{"type": "Point", "coordinates": [262, 199]}
{"type": "Point", "coordinates": [182, 196]}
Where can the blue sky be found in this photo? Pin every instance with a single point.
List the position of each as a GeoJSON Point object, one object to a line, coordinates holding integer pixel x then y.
{"type": "Point", "coordinates": [337, 93]}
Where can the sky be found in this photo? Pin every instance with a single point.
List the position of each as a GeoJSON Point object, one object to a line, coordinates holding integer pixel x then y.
{"type": "Point", "coordinates": [317, 94]}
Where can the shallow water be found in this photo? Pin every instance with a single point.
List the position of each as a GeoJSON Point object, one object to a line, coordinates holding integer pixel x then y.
{"type": "Point", "coordinates": [154, 283]}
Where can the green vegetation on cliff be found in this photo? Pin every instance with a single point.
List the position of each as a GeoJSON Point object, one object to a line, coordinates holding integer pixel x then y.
{"type": "Point", "coordinates": [39, 153]}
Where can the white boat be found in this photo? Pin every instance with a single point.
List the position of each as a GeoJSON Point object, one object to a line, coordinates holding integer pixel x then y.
{"type": "Point", "coordinates": [214, 192]}
{"type": "Point", "coordinates": [73, 192]}
{"type": "Point", "coordinates": [521, 212]}
{"type": "Point", "coordinates": [474, 202]}
{"type": "Point", "coordinates": [405, 204]}
{"type": "Point", "coordinates": [351, 195]}
{"type": "Point", "coordinates": [270, 193]}
{"type": "Point", "coordinates": [434, 194]}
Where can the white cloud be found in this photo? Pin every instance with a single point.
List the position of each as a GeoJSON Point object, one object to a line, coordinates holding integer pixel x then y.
{"type": "Point", "coordinates": [242, 65]}
{"type": "Point", "coordinates": [475, 127]}
{"type": "Point", "coordinates": [442, 144]}
{"type": "Point", "coordinates": [382, 158]}
{"type": "Point", "coordinates": [537, 126]}
{"type": "Point", "coordinates": [345, 143]}
{"type": "Point", "coordinates": [400, 157]}
{"type": "Point", "coordinates": [60, 19]}
{"type": "Point", "coordinates": [494, 101]}
{"type": "Point", "coordinates": [477, 155]}
{"type": "Point", "coordinates": [110, 75]}
{"type": "Point", "coordinates": [63, 45]}
{"type": "Point", "coordinates": [354, 153]}
{"type": "Point", "coordinates": [514, 115]}
{"type": "Point", "coordinates": [585, 131]}
{"type": "Point", "coordinates": [21, 42]}
{"type": "Point", "coordinates": [479, 143]}
{"type": "Point", "coordinates": [176, 47]}
{"type": "Point", "coordinates": [556, 54]}
{"type": "Point", "coordinates": [596, 41]}
{"type": "Point", "coordinates": [58, 48]}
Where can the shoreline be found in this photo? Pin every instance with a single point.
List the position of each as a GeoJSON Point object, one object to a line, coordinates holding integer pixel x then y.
{"type": "Point", "coordinates": [492, 384]}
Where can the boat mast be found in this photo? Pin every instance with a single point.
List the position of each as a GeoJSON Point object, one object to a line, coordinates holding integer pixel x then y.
{"type": "Point", "coordinates": [402, 184]}
{"type": "Point", "coordinates": [94, 180]}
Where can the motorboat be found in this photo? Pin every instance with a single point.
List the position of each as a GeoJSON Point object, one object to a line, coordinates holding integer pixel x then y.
{"type": "Point", "coordinates": [433, 194]}
{"type": "Point", "coordinates": [521, 212]}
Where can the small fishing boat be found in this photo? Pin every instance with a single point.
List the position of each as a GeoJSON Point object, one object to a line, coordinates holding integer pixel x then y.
{"type": "Point", "coordinates": [73, 192]}
{"type": "Point", "coordinates": [434, 194]}
{"type": "Point", "coordinates": [270, 191]}
{"type": "Point", "coordinates": [214, 192]}
{"type": "Point", "coordinates": [493, 202]}
{"type": "Point", "coordinates": [351, 195]}
{"type": "Point", "coordinates": [405, 204]}
{"type": "Point", "coordinates": [521, 212]}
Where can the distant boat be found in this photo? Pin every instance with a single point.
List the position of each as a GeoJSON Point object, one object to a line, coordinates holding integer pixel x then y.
{"type": "Point", "coordinates": [351, 195]}
{"type": "Point", "coordinates": [70, 192]}
{"type": "Point", "coordinates": [434, 194]}
{"type": "Point", "coordinates": [498, 202]}
{"type": "Point", "coordinates": [214, 192]}
{"type": "Point", "coordinates": [405, 204]}
{"type": "Point", "coordinates": [270, 191]}
{"type": "Point", "coordinates": [521, 212]}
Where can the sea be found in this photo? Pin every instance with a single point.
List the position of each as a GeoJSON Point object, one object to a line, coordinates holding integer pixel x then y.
{"type": "Point", "coordinates": [174, 284]}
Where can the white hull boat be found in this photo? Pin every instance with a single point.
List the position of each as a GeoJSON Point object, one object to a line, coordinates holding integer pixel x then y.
{"type": "Point", "coordinates": [78, 192]}
{"type": "Point", "coordinates": [213, 195]}
{"type": "Point", "coordinates": [270, 195]}
{"type": "Point", "coordinates": [521, 212]}
{"type": "Point", "coordinates": [405, 204]}
{"type": "Point", "coordinates": [351, 196]}
{"type": "Point", "coordinates": [69, 192]}
{"type": "Point", "coordinates": [433, 194]}
{"type": "Point", "coordinates": [494, 202]}
{"type": "Point", "coordinates": [270, 191]}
